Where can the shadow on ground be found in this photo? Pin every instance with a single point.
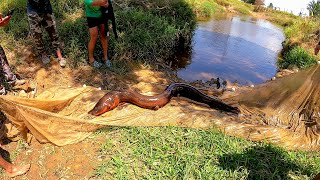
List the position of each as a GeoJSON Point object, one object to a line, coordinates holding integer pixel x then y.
{"type": "Point", "coordinates": [264, 162]}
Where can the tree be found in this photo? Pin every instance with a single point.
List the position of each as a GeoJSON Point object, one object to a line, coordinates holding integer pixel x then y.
{"type": "Point", "coordinates": [270, 6]}
{"type": "Point", "coordinates": [259, 2]}
{"type": "Point", "coordinates": [314, 8]}
{"type": "Point", "coordinates": [249, 1]}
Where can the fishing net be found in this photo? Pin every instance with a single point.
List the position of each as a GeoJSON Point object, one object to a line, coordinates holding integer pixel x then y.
{"type": "Point", "coordinates": [289, 109]}
{"type": "Point", "coordinates": [60, 115]}
{"type": "Point", "coordinates": [284, 112]}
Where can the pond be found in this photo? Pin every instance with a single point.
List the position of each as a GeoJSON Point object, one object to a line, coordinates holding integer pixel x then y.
{"type": "Point", "coordinates": [240, 50]}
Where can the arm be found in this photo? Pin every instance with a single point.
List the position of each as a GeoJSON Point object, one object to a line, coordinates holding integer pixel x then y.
{"type": "Point", "coordinates": [97, 3]}
{"type": "Point", "coordinates": [4, 21]}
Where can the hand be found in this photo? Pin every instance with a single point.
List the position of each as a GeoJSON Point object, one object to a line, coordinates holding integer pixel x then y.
{"type": "Point", "coordinates": [106, 4]}
{"type": "Point", "coordinates": [4, 21]}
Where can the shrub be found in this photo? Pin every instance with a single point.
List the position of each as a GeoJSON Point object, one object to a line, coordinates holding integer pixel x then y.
{"type": "Point", "coordinates": [208, 9]}
{"type": "Point", "coordinates": [298, 57]}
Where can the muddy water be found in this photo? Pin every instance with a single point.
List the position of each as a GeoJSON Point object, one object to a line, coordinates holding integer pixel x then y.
{"type": "Point", "coordinates": [236, 49]}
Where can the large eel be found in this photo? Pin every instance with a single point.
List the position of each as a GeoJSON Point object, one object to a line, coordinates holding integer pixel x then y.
{"type": "Point", "coordinates": [112, 99]}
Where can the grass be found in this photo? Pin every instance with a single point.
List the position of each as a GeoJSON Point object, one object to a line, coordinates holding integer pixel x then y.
{"type": "Point", "coordinates": [296, 57]}
{"type": "Point", "coordinates": [178, 153]}
{"type": "Point", "coordinates": [204, 9]}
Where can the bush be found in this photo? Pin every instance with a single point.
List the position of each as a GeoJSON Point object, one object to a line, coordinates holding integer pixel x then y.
{"type": "Point", "coordinates": [145, 36]}
{"type": "Point", "coordinates": [208, 9]}
{"type": "Point", "coordinates": [298, 57]}
{"type": "Point", "coordinates": [203, 9]}
{"type": "Point", "coordinates": [153, 29]}
{"type": "Point", "coordinates": [301, 29]}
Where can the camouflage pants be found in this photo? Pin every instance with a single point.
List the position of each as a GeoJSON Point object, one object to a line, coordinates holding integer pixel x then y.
{"type": "Point", "coordinates": [6, 75]}
{"type": "Point", "coordinates": [36, 22]}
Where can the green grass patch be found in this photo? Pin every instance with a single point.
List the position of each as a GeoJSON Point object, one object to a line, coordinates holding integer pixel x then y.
{"type": "Point", "coordinates": [178, 153]}
{"type": "Point", "coordinates": [241, 7]}
{"type": "Point", "coordinates": [204, 9]}
{"type": "Point", "coordinates": [301, 29]}
{"type": "Point", "coordinates": [298, 57]}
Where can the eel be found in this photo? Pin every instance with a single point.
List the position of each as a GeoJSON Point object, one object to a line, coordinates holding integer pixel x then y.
{"type": "Point", "coordinates": [113, 98]}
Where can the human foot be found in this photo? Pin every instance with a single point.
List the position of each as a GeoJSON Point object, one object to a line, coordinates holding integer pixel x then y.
{"type": "Point", "coordinates": [62, 62]}
{"type": "Point", "coordinates": [17, 170]}
{"type": "Point", "coordinates": [96, 64]}
{"type": "Point", "coordinates": [45, 59]}
{"type": "Point", "coordinates": [108, 63]}
{"type": "Point", "coordinates": [19, 82]}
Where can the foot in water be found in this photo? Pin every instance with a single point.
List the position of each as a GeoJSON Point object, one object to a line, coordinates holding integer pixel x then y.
{"type": "Point", "coordinates": [14, 170]}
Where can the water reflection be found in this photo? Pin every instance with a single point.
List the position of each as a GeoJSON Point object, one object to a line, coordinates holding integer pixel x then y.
{"type": "Point", "coordinates": [235, 49]}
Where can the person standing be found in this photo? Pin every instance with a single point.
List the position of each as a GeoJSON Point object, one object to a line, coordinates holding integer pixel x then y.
{"type": "Point", "coordinates": [40, 15]}
{"type": "Point", "coordinates": [7, 77]}
{"type": "Point", "coordinates": [13, 170]}
{"type": "Point", "coordinates": [96, 25]}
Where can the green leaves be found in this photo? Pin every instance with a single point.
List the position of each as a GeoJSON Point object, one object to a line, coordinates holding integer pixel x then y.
{"type": "Point", "coordinates": [297, 57]}
{"type": "Point", "coordinates": [314, 8]}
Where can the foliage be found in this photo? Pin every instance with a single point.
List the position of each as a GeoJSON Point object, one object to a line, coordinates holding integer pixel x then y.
{"type": "Point", "coordinates": [314, 8]}
{"type": "Point", "coordinates": [249, 1]}
{"type": "Point", "coordinates": [297, 57]}
{"type": "Point", "coordinates": [203, 9]}
{"type": "Point", "coordinates": [300, 30]}
{"type": "Point", "coordinates": [270, 6]}
{"type": "Point", "coordinates": [281, 18]}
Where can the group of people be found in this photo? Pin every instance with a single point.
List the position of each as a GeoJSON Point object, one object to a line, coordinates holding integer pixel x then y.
{"type": "Point", "coordinates": [40, 16]}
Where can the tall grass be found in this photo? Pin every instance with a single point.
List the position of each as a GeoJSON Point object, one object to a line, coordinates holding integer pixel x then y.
{"type": "Point", "coordinates": [296, 57]}
{"type": "Point", "coordinates": [301, 29]}
{"type": "Point", "coordinates": [204, 9]}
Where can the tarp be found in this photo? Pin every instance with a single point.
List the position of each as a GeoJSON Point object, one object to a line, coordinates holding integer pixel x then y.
{"type": "Point", "coordinates": [60, 115]}
{"type": "Point", "coordinates": [284, 112]}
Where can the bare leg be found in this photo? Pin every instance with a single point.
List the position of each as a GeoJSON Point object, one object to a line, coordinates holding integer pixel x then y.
{"type": "Point", "coordinates": [51, 28]}
{"type": "Point", "coordinates": [13, 170]}
{"type": "Point", "coordinates": [92, 43]}
{"type": "Point", "coordinates": [59, 54]}
{"type": "Point", "coordinates": [104, 41]}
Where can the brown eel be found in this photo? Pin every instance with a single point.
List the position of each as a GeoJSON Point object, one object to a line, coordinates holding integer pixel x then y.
{"type": "Point", "coordinates": [112, 99]}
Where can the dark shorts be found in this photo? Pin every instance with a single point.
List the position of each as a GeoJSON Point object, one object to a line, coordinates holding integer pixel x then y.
{"type": "Point", "coordinates": [94, 22]}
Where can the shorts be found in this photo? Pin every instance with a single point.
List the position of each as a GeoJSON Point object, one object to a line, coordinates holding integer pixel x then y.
{"type": "Point", "coordinates": [94, 22]}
